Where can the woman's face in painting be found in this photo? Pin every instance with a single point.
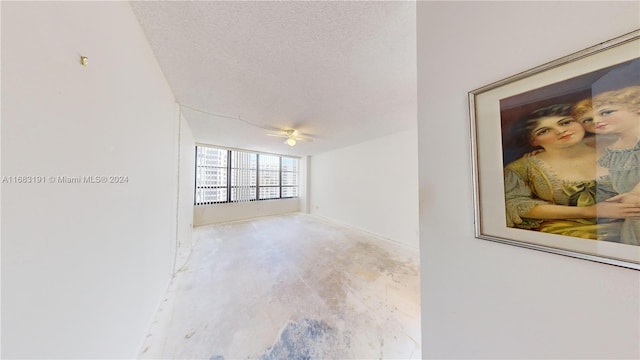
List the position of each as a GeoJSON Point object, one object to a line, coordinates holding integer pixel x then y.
{"type": "Point", "coordinates": [557, 132]}
{"type": "Point", "coordinates": [614, 119]}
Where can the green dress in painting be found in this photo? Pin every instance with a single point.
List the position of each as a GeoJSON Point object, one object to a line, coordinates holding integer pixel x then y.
{"type": "Point", "coordinates": [528, 182]}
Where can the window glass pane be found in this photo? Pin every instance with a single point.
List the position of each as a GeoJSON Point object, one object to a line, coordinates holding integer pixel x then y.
{"type": "Point", "coordinates": [211, 175]}
{"type": "Point", "coordinates": [269, 192]}
{"type": "Point", "coordinates": [243, 177]}
{"type": "Point", "coordinates": [206, 176]}
{"type": "Point", "coordinates": [211, 195]}
{"type": "Point", "coordinates": [207, 156]}
{"type": "Point", "coordinates": [269, 178]}
{"type": "Point", "coordinates": [289, 164]}
{"type": "Point", "coordinates": [289, 178]}
{"type": "Point", "coordinates": [289, 191]}
{"type": "Point", "coordinates": [243, 194]}
{"type": "Point", "coordinates": [269, 162]}
{"type": "Point", "coordinates": [243, 160]}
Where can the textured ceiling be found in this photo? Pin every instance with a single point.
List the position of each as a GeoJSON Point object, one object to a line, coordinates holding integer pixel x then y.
{"type": "Point", "coordinates": [342, 72]}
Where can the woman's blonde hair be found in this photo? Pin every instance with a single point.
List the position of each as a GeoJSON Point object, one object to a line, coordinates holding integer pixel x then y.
{"type": "Point", "coordinates": [628, 97]}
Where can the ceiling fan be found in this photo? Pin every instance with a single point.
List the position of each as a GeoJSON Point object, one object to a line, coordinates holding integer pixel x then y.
{"type": "Point", "coordinates": [292, 136]}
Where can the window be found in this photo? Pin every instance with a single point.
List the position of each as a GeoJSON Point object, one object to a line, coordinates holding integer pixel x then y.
{"type": "Point", "coordinates": [234, 176]}
{"type": "Point", "coordinates": [243, 176]}
{"type": "Point", "coordinates": [211, 175]}
{"type": "Point", "coordinates": [289, 177]}
{"type": "Point", "coordinates": [269, 177]}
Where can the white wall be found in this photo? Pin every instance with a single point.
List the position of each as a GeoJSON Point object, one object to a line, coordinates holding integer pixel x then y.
{"type": "Point", "coordinates": [84, 265]}
{"type": "Point", "coordinates": [186, 188]}
{"type": "Point", "coordinates": [371, 186]}
{"type": "Point", "coordinates": [482, 299]}
{"type": "Point", "coordinates": [213, 214]}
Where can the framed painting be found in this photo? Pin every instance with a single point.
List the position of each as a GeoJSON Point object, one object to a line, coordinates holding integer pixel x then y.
{"type": "Point", "coordinates": [556, 155]}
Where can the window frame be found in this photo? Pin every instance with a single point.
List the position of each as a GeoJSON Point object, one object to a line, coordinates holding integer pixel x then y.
{"type": "Point", "coordinates": [229, 167]}
{"type": "Point", "coordinates": [226, 186]}
{"type": "Point", "coordinates": [296, 172]}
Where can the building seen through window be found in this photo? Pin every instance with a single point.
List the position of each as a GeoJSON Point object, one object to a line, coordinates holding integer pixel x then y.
{"type": "Point", "coordinates": [224, 175]}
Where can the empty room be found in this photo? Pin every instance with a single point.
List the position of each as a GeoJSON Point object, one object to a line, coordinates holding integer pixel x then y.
{"type": "Point", "coordinates": [284, 123]}
{"type": "Point", "coordinates": [279, 180]}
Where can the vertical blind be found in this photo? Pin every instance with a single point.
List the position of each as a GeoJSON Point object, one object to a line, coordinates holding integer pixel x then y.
{"type": "Point", "coordinates": [224, 175]}
{"type": "Point", "coordinates": [243, 176]}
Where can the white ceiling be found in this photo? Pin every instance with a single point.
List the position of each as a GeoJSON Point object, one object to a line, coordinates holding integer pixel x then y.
{"type": "Point", "coordinates": [342, 72]}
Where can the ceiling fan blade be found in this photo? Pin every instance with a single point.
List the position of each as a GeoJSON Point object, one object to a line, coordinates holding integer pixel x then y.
{"type": "Point", "coordinates": [292, 135]}
{"type": "Point", "coordinates": [303, 137]}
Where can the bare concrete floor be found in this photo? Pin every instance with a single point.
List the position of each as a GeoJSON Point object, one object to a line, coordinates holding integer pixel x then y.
{"type": "Point", "coordinates": [290, 287]}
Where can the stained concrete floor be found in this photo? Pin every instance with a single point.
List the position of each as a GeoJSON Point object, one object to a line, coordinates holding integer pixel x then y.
{"type": "Point", "coordinates": [290, 287]}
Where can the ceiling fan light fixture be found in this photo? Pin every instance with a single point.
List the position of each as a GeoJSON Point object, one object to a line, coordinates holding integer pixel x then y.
{"type": "Point", "coordinates": [291, 141]}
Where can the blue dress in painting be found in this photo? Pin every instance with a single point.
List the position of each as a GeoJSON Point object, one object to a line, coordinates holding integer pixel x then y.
{"type": "Point", "coordinates": [624, 170]}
